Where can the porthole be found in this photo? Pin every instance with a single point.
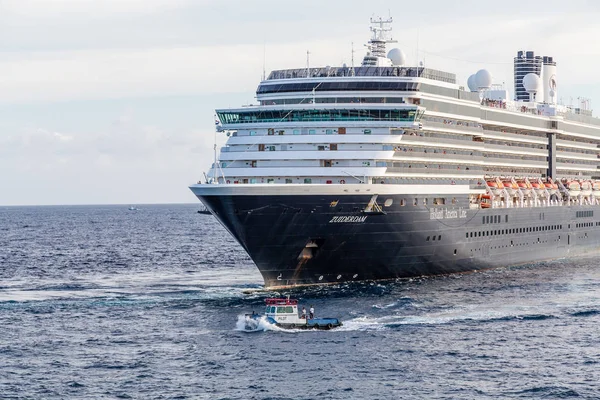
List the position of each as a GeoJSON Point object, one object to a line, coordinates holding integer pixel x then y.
{"type": "Point", "coordinates": [339, 276]}
{"type": "Point", "coordinates": [321, 278]}
{"type": "Point", "coordinates": [388, 202]}
{"type": "Point", "coordinates": [354, 276]}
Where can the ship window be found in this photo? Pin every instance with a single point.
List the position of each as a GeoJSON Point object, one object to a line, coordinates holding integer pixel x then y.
{"type": "Point", "coordinates": [415, 202]}
{"type": "Point", "coordinates": [329, 131]}
{"type": "Point", "coordinates": [312, 132]}
{"type": "Point", "coordinates": [333, 146]}
{"type": "Point", "coordinates": [427, 240]}
{"type": "Point", "coordinates": [252, 133]}
{"type": "Point", "coordinates": [439, 237]}
{"type": "Point", "coordinates": [433, 238]}
{"type": "Point", "coordinates": [287, 180]}
{"type": "Point", "coordinates": [402, 202]}
{"type": "Point", "coordinates": [425, 201]}
{"type": "Point", "coordinates": [320, 148]}
{"type": "Point", "coordinates": [270, 131]}
{"type": "Point", "coordinates": [307, 180]}
{"type": "Point", "coordinates": [261, 147]}
{"type": "Point", "coordinates": [270, 180]}
{"type": "Point", "coordinates": [483, 220]}
{"type": "Point", "coordinates": [487, 219]}
{"type": "Point", "coordinates": [367, 131]}
{"type": "Point", "coordinates": [281, 132]}
{"type": "Point", "coordinates": [454, 251]}
{"type": "Point", "coordinates": [280, 310]}
{"type": "Point", "coordinates": [454, 200]}
{"type": "Point", "coordinates": [253, 164]}
{"type": "Point", "coordinates": [271, 148]}
{"type": "Point", "coordinates": [467, 235]}
{"type": "Point", "coordinates": [296, 131]}
{"type": "Point", "coordinates": [506, 218]}
{"type": "Point", "coordinates": [289, 309]}
{"type": "Point", "coordinates": [438, 201]}
{"type": "Point", "coordinates": [388, 202]}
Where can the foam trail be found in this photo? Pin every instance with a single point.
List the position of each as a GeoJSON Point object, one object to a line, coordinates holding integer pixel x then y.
{"type": "Point", "coordinates": [246, 324]}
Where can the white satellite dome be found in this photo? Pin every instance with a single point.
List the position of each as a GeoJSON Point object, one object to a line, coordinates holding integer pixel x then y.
{"type": "Point", "coordinates": [483, 78]}
{"type": "Point", "coordinates": [532, 83]}
{"type": "Point", "coordinates": [397, 56]}
{"type": "Point", "coordinates": [472, 83]}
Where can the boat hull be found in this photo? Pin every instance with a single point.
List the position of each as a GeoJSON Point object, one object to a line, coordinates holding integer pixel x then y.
{"type": "Point", "coordinates": [307, 239]}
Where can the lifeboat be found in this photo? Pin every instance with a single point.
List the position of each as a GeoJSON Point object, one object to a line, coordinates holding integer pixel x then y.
{"type": "Point", "coordinates": [510, 187]}
{"type": "Point", "coordinates": [574, 188]}
{"type": "Point", "coordinates": [526, 189]}
{"type": "Point", "coordinates": [485, 201]}
{"type": "Point", "coordinates": [538, 187]}
{"type": "Point", "coordinates": [551, 187]}
{"type": "Point", "coordinates": [586, 188]}
{"type": "Point", "coordinates": [596, 189]}
{"type": "Point", "coordinates": [495, 187]}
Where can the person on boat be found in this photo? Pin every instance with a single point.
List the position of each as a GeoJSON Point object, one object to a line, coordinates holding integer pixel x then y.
{"type": "Point", "coordinates": [311, 312]}
{"type": "Point", "coordinates": [303, 316]}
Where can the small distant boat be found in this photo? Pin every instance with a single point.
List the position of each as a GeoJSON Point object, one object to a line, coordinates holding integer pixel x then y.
{"type": "Point", "coordinates": [133, 208]}
{"type": "Point", "coordinates": [204, 210]}
{"type": "Point", "coordinates": [283, 313]}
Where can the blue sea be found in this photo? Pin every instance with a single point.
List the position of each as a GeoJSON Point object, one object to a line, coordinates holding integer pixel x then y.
{"type": "Point", "coordinates": [100, 302]}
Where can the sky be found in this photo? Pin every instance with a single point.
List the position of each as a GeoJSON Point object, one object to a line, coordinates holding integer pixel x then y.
{"type": "Point", "coordinates": [112, 101]}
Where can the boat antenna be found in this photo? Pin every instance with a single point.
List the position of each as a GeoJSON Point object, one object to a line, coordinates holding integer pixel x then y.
{"type": "Point", "coordinates": [307, 64]}
{"type": "Point", "coordinates": [215, 180]}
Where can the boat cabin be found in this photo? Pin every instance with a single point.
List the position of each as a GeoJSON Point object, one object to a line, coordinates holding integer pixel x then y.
{"type": "Point", "coordinates": [284, 311]}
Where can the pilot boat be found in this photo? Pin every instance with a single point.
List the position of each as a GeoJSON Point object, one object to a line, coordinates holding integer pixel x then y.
{"type": "Point", "coordinates": [283, 313]}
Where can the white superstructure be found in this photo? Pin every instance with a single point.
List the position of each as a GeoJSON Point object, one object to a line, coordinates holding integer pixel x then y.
{"type": "Point", "coordinates": [386, 123]}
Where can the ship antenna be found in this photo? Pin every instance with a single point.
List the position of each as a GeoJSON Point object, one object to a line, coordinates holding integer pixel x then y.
{"type": "Point", "coordinates": [352, 71]}
{"type": "Point", "coordinates": [264, 59]}
{"type": "Point", "coordinates": [307, 64]}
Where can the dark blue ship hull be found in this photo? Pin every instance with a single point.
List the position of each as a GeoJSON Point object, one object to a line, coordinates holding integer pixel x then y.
{"type": "Point", "coordinates": [312, 239]}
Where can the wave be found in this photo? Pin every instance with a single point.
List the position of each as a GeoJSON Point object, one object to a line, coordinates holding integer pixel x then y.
{"type": "Point", "coordinates": [585, 313]}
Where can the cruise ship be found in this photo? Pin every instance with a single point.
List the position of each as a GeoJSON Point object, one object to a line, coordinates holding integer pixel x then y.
{"type": "Point", "coordinates": [384, 171]}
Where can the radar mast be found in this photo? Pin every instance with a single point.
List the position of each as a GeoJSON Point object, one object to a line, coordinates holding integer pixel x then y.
{"type": "Point", "coordinates": [380, 35]}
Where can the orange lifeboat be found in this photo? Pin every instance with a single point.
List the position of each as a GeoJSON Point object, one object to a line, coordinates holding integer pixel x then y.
{"type": "Point", "coordinates": [551, 187]}
{"type": "Point", "coordinates": [485, 201]}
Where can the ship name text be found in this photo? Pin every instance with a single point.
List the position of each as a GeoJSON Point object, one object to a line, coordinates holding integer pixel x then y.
{"type": "Point", "coordinates": [348, 219]}
{"type": "Point", "coordinates": [444, 213]}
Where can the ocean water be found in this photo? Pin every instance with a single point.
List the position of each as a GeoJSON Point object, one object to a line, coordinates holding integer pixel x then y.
{"type": "Point", "coordinates": [99, 302]}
